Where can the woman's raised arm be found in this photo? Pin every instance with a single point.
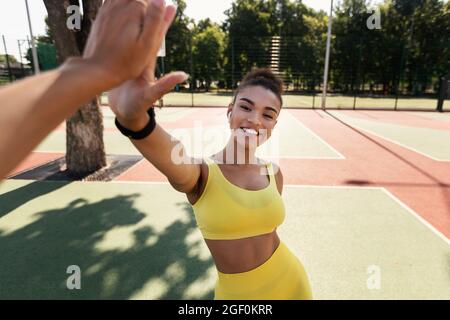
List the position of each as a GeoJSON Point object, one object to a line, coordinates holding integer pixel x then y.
{"type": "Point", "coordinates": [130, 102]}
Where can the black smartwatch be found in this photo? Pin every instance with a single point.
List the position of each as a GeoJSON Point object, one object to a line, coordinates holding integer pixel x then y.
{"type": "Point", "coordinates": [141, 134]}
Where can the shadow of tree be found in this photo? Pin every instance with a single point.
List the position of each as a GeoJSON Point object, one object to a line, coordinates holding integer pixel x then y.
{"type": "Point", "coordinates": [17, 197]}
{"type": "Point", "coordinates": [35, 258]}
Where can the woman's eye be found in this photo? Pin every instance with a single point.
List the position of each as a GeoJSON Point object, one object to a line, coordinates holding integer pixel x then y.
{"type": "Point", "coordinates": [248, 109]}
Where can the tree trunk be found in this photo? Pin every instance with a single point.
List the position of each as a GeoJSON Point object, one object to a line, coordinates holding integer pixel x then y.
{"type": "Point", "coordinates": [84, 143]}
{"type": "Point", "coordinates": [85, 151]}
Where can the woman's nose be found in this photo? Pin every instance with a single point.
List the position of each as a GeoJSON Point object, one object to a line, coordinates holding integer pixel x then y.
{"type": "Point", "coordinates": [255, 120]}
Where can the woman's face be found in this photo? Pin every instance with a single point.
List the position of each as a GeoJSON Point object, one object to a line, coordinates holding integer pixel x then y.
{"type": "Point", "coordinates": [253, 116]}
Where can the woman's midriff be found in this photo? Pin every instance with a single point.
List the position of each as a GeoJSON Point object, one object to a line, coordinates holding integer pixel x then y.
{"type": "Point", "coordinates": [241, 255]}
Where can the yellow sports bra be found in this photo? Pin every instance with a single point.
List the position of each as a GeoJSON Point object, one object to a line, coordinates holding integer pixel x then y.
{"type": "Point", "coordinates": [225, 211]}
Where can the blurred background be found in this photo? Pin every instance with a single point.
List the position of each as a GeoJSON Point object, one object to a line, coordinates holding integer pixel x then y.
{"type": "Point", "coordinates": [389, 54]}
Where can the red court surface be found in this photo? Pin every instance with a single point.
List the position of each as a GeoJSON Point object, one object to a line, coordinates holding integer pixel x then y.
{"type": "Point", "coordinates": [417, 181]}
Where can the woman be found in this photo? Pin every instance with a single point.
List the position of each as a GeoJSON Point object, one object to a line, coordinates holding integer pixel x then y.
{"type": "Point", "coordinates": [236, 207]}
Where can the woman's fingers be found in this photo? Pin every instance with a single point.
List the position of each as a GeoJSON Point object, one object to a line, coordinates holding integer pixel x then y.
{"type": "Point", "coordinates": [164, 85]}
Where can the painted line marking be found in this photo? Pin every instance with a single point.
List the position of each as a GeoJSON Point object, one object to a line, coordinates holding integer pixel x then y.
{"type": "Point", "coordinates": [340, 156]}
{"type": "Point", "coordinates": [394, 142]}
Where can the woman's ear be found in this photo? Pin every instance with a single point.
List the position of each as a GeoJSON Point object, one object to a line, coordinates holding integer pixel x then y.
{"type": "Point", "coordinates": [230, 107]}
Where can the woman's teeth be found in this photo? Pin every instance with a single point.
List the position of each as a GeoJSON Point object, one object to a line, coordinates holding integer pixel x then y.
{"type": "Point", "coordinates": [250, 131]}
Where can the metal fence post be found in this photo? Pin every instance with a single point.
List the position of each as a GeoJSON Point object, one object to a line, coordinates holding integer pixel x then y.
{"type": "Point", "coordinates": [192, 73]}
{"type": "Point", "coordinates": [443, 92]}
{"type": "Point", "coordinates": [7, 60]}
{"type": "Point", "coordinates": [232, 63]}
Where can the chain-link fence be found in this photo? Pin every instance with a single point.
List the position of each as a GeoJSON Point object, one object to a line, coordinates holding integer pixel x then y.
{"type": "Point", "coordinates": [13, 65]}
{"type": "Point", "coordinates": [397, 66]}
{"type": "Point", "coordinates": [16, 61]}
{"type": "Point", "coordinates": [356, 82]}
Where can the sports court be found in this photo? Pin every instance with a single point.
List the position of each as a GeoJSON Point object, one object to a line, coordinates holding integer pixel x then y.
{"type": "Point", "coordinates": [367, 196]}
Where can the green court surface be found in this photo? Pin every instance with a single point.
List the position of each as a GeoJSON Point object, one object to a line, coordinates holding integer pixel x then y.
{"type": "Point", "coordinates": [280, 144]}
{"type": "Point", "coordinates": [348, 102]}
{"type": "Point", "coordinates": [342, 234]}
{"type": "Point", "coordinates": [163, 114]}
{"type": "Point", "coordinates": [433, 143]}
{"type": "Point", "coordinates": [130, 241]}
{"type": "Point", "coordinates": [435, 115]}
{"type": "Point", "coordinates": [303, 101]}
{"type": "Point", "coordinates": [115, 143]}
{"type": "Point", "coordinates": [140, 241]}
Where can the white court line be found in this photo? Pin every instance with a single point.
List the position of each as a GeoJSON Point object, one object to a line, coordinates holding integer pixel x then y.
{"type": "Point", "coordinates": [397, 200]}
{"type": "Point", "coordinates": [403, 205]}
{"type": "Point", "coordinates": [418, 217]}
{"type": "Point", "coordinates": [329, 187]}
{"type": "Point", "coordinates": [420, 116]}
{"type": "Point", "coordinates": [318, 137]}
{"type": "Point", "coordinates": [338, 157]}
{"type": "Point", "coordinates": [307, 158]}
{"type": "Point", "coordinates": [445, 117]}
{"type": "Point", "coordinates": [268, 158]}
{"type": "Point", "coordinates": [387, 192]}
{"type": "Point", "coordinates": [275, 160]}
{"type": "Point", "coordinates": [395, 142]}
{"type": "Point", "coordinates": [136, 182]}
{"type": "Point", "coordinates": [284, 185]}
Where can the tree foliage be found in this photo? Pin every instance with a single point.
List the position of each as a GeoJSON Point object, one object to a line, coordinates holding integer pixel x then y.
{"type": "Point", "coordinates": [208, 51]}
{"type": "Point", "coordinates": [406, 55]}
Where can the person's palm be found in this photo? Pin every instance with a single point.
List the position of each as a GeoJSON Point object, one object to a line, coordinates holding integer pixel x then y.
{"type": "Point", "coordinates": [133, 98]}
{"type": "Point", "coordinates": [127, 101]}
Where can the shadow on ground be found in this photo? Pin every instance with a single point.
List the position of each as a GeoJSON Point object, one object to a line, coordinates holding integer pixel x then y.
{"type": "Point", "coordinates": [13, 199]}
{"type": "Point", "coordinates": [35, 258]}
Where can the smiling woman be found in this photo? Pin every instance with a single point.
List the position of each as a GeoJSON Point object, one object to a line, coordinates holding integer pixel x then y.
{"type": "Point", "coordinates": [253, 113]}
{"type": "Point", "coordinates": [236, 197]}
{"type": "Point", "coordinates": [252, 262]}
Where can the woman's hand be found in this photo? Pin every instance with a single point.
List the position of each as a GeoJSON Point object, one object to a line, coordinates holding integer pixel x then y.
{"type": "Point", "coordinates": [131, 101]}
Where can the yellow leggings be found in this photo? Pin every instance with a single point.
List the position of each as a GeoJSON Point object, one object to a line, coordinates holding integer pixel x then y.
{"type": "Point", "coordinates": [281, 277]}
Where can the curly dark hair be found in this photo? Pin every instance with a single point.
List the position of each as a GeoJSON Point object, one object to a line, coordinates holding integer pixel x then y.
{"type": "Point", "coordinates": [263, 77]}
